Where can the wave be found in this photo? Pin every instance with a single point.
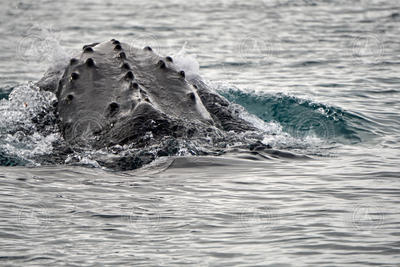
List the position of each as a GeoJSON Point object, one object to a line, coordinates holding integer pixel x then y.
{"type": "Point", "coordinates": [303, 118]}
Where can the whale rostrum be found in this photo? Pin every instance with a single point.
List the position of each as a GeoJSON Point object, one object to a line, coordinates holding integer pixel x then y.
{"type": "Point", "coordinates": [115, 93]}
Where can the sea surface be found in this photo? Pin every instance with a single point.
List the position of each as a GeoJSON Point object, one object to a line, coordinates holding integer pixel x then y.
{"type": "Point", "coordinates": [321, 77]}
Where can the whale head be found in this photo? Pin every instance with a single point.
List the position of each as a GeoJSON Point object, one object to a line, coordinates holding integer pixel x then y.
{"type": "Point", "coordinates": [113, 93]}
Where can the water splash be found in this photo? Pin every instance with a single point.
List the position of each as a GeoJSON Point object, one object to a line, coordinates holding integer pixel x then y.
{"type": "Point", "coordinates": [187, 62]}
{"type": "Point", "coordinates": [27, 125]}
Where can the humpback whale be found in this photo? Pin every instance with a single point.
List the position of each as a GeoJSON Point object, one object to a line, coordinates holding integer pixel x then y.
{"type": "Point", "coordinates": [113, 94]}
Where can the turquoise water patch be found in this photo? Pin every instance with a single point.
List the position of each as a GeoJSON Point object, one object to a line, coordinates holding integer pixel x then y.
{"type": "Point", "coordinates": [302, 118]}
{"type": "Point", "coordinates": [4, 94]}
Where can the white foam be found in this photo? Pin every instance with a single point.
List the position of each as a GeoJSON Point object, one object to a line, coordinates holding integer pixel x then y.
{"type": "Point", "coordinates": [187, 63]}
{"type": "Point", "coordinates": [24, 103]}
{"type": "Point", "coordinates": [19, 135]}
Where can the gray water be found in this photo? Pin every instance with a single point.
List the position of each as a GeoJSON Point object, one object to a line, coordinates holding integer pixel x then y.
{"type": "Point", "coordinates": [284, 61]}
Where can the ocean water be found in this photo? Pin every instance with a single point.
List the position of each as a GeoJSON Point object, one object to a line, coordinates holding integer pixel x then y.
{"type": "Point", "coordinates": [319, 77]}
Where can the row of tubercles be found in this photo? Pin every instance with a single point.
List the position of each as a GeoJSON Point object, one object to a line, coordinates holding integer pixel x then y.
{"type": "Point", "coordinates": [89, 62]}
{"type": "Point", "coordinates": [161, 64]}
{"type": "Point", "coordinates": [114, 107]}
{"type": "Point", "coordinates": [125, 65]}
{"type": "Point", "coordinates": [75, 75]}
{"type": "Point", "coordinates": [122, 56]}
{"type": "Point", "coordinates": [182, 74]}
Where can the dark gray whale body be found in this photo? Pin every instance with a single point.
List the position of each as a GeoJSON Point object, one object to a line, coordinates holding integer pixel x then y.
{"type": "Point", "coordinates": [115, 94]}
